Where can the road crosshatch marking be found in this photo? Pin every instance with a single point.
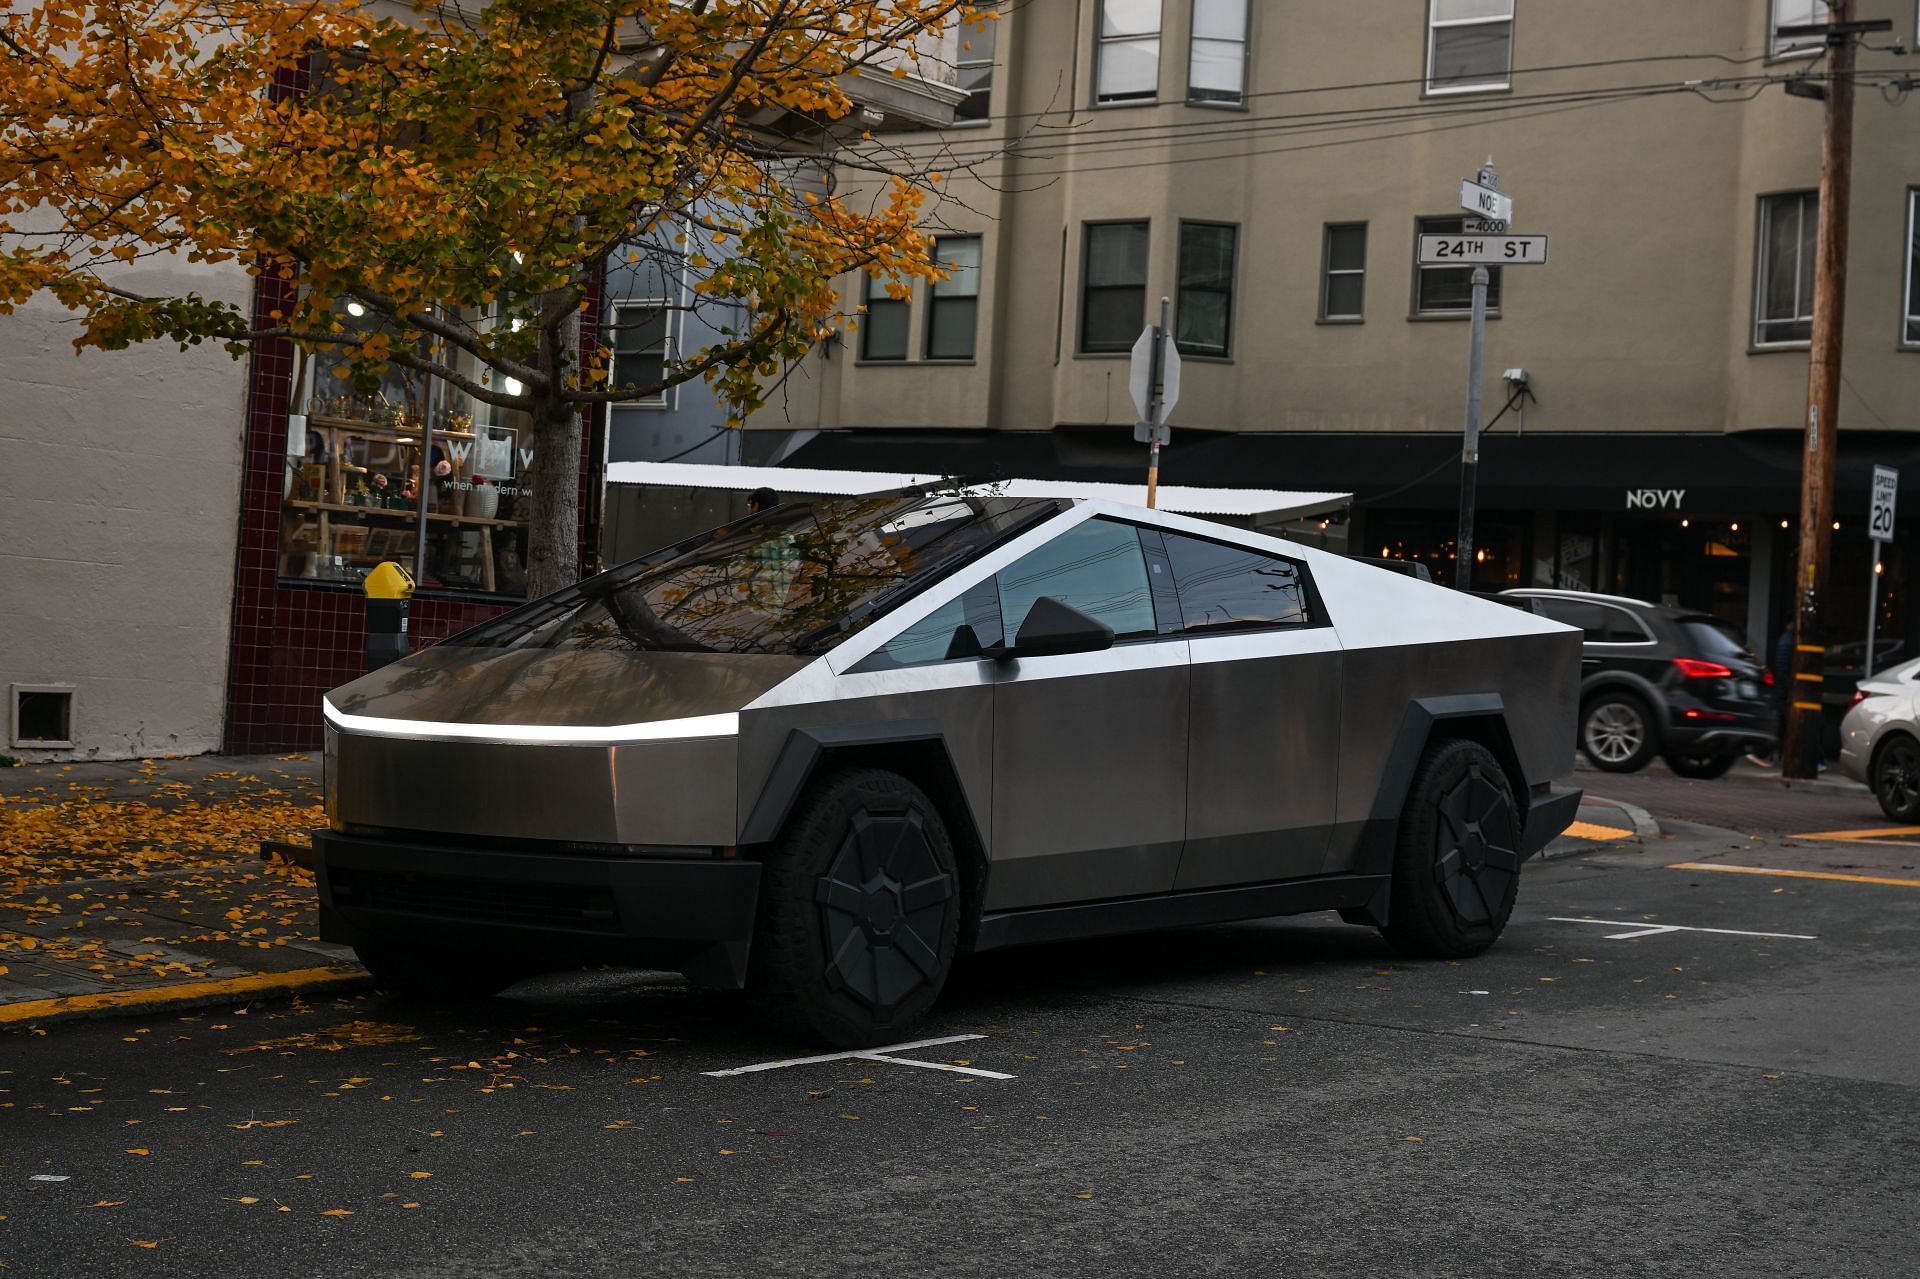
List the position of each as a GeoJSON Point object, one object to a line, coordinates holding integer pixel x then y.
{"type": "Point", "coordinates": [1838, 876]}
{"type": "Point", "coordinates": [881, 1054]}
{"type": "Point", "coordinates": [1640, 928]}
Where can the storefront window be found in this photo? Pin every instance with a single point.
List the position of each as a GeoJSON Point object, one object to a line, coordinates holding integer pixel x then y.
{"type": "Point", "coordinates": [361, 462]}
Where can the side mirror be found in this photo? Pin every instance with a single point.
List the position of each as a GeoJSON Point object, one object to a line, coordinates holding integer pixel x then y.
{"type": "Point", "coordinates": [1052, 628]}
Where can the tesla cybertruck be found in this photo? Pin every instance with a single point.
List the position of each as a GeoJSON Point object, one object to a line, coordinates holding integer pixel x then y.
{"type": "Point", "coordinates": [823, 751]}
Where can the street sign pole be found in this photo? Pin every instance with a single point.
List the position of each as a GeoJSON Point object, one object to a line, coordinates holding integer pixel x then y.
{"type": "Point", "coordinates": [1153, 379]}
{"type": "Point", "coordinates": [1886, 489]}
{"type": "Point", "coordinates": [1470, 448]}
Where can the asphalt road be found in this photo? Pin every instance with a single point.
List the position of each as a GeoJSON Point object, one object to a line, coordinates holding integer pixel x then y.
{"type": "Point", "coordinates": [1283, 1097]}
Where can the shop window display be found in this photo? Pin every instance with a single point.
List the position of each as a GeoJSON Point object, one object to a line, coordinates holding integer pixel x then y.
{"type": "Point", "coordinates": [361, 462]}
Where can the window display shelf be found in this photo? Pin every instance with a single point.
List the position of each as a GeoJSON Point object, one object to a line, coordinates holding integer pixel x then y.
{"type": "Point", "coordinates": [401, 512]}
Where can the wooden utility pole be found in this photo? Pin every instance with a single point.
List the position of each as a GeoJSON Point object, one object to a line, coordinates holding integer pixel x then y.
{"type": "Point", "coordinates": [1801, 748]}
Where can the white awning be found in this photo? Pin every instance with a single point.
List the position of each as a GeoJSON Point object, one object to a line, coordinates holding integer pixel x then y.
{"type": "Point", "coordinates": [1269, 504]}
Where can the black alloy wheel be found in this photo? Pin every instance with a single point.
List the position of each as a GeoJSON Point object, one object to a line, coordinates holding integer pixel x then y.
{"type": "Point", "coordinates": [1456, 867]}
{"type": "Point", "coordinates": [1617, 732]}
{"type": "Point", "coordinates": [859, 911]}
{"type": "Point", "coordinates": [1704, 765]}
{"type": "Point", "coordinates": [1896, 779]}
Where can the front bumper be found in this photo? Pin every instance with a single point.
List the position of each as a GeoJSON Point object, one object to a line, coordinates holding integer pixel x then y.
{"type": "Point", "coordinates": [1550, 812]}
{"type": "Point", "coordinates": [686, 914]}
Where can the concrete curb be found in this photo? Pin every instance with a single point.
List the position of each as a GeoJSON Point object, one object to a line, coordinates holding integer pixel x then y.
{"type": "Point", "coordinates": [1645, 824]}
{"type": "Point", "coordinates": [148, 1000]}
{"type": "Point", "coordinates": [1645, 827]}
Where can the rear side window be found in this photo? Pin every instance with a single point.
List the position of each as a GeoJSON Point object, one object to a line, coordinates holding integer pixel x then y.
{"type": "Point", "coordinates": [1712, 639]}
{"type": "Point", "coordinates": [1617, 626]}
{"type": "Point", "coordinates": [1233, 588]}
{"type": "Point", "coordinates": [1097, 567]}
{"type": "Point", "coordinates": [1602, 624]}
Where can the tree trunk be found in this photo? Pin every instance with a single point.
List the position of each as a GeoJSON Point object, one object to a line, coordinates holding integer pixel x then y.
{"type": "Point", "coordinates": [553, 487]}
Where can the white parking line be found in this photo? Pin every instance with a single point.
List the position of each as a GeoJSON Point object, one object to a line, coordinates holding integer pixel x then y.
{"type": "Point", "coordinates": [1641, 929]}
{"type": "Point", "coordinates": [882, 1054]}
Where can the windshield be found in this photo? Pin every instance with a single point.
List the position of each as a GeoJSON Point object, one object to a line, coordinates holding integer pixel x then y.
{"type": "Point", "coordinates": [795, 580]}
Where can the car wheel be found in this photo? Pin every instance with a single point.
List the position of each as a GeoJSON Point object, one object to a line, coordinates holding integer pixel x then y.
{"type": "Point", "coordinates": [1896, 779]}
{"type": "Point", "coordinates": [859, 911]}
{"type": "Point", "coordinates": [1456, 865]}
{"type": "Point", "coordinates": [1703, 766]}
{"type": "Point", "coordinates": [434, 974]}
{"type": "Point", "coordinates": [1616, 733]}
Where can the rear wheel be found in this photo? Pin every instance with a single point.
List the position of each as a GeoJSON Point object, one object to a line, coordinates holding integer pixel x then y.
{"type": "Point", "coordinates": [1456, 866]}
{"type": "Point", "coordinates": [1616, 732]}
{"type": "Point", "coordinates": [1704, 766]}
{"type": "Point", "coordinates": [859, 911]}
{"type": "Point", "coordinates": [1896, 779]}
{"type": "Point", "coordinates": [435, 974]}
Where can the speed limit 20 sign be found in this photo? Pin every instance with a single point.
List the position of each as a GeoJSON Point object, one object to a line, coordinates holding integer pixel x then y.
{"type": "Point", "coordinates": [1886, 485]}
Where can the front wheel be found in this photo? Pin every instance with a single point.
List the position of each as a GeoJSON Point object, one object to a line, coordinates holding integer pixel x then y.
{"type": "Point", "coordinates": [1616, 733]}
{"type": "Point", "coordinates": [1702, 766]}
{"type": "Point", "coordinates": [1456, 865]}
{"type": "Point", "coordinates": [859, 911]}
{"type": "Point", "coordinates": [1896, 779]}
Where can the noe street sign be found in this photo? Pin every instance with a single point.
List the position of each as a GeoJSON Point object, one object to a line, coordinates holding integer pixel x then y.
{"type": "Point", "coordinates": [1483, 250]}
{"type": "Point", "coordinates": [1485, 201]}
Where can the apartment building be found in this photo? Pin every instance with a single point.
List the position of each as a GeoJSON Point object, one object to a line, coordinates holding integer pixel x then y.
{"type": "Point", "coordinates": [1267, 166]}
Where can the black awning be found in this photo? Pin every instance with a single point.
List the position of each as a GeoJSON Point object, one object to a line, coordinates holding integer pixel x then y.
{"type": "Point", "coordinates": [1753, 472]}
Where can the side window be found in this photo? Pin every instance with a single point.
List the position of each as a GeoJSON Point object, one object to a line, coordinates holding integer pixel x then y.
{"type": "Point", "coordinates": [938, 638]}
{"type": "Point", "coordinates": [1577, 613]}
{"type": "Point", "coordinates": [1097, 567]}
{"type": "Point", "coordinates": [1232, 588]}
{"type": "Point", "coordinates": [1617, 626]}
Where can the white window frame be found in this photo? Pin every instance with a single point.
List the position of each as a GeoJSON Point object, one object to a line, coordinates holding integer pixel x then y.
{"type": "Point", "coordinates": [1799, 46]}
{"type": "Point", "coordinates": [668, 398]}
{"type": "Point", "coordinates": [935, 297]}
{"type": "Point", "coordinates": [1803, 289]}
{"type": "Point", "coordinates": [1435, 24]}
{"type": "Point", "coordinates": [1100, 42]}
{"type": "Point", "coordinates": [965, 58]}
{"type": "Point", "coordinates": [1910, 312]}
{"type": "Point", "coordinates": [1328, 271]}
{"type": "Point", "coordinates": [1194, 39]}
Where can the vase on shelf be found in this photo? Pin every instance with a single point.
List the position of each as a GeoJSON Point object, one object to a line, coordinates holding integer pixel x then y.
{"type": "Point", "coordinates": [483, 499]}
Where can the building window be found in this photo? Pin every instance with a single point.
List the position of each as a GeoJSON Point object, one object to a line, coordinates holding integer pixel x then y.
{"type": "Point", "coordinates": [639, 333]}
{"type": "Point", "coordinates": [1113, 286]}
{"type": "Point", "coordinates": [1127, 58]}
{"type": "Point", "coordinates": [1910, 330]}
{"type": "Point", "coordinates": [884, 334]}
{"type": "Point", "coordinates": [1343, 283]}
{"type": "Point", "coordinates": [1203, 322]}
{"type": "Point", "coordinates": [1217, 62]}
{"type": "Point", "coordinates": [1469, 45]}
{"type": "Point", "coordinates": [1448, 290]}
{"type": "Point", "coordinates": [1783, 279]}
{"type": "Point", "coordinates": [973, 69]}
{"type": "Point", "coordinates": [954, 303]}
{"type": "Point", "coordinates": [1792, 13]}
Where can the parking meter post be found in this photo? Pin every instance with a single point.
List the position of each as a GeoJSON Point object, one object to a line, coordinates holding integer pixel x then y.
{"type": "Point", "coordinates": [1470, 445]}
{"type": "Point", "coordinates": [388, 588]}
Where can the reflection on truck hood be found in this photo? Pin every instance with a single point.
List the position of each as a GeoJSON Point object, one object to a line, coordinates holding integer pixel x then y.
{"type": "Point", "coordinates": [452, 684]}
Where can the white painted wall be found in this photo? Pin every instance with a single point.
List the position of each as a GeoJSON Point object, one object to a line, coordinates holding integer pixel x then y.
{"type": "Point", "coordinates": [119, 500]}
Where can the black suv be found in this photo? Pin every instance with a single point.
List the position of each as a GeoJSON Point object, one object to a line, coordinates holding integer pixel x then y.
{"type": "Point", "coordinates": [1666, 680]}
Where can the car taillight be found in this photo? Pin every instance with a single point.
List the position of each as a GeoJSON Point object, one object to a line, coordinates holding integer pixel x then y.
{"type": "Point", "coordinates": [1859, 695]}
{"type": "Point", "coordinates": [1693, 668]}
{"type": "Point", "coordinates": [1766, 677]}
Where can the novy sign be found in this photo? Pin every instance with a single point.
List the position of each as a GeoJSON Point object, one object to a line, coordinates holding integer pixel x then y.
{"type": "Point", "coordinates": [1655, 499]}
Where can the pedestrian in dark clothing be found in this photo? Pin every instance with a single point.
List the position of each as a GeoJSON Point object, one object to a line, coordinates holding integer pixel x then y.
{"type": "Point", "coordinates": [1782, 693]}
{"type": "Point", "coordinates": [762, 500]}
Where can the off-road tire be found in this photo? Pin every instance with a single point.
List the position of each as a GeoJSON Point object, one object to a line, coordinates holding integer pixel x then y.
{"type": "Point", "coordinates": [860, 905]}
{"type": "Point", "coordinates": [1610, 724]}
{"type": "Point", "coordinates": [418, 972]}
{"type": "Point", "coordinates": [1456, 862]}
{"type": "Point", "coordinates": [1701, 767]}
{"type": "Point", "coordinates": [1896, 778]}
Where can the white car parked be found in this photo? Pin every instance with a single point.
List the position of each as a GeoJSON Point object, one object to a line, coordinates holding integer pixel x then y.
{"type": "Point", "coordinates": [1880, 739]}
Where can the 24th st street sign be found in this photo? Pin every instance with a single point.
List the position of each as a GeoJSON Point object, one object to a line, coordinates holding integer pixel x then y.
{"type": "Point", "coordinates": [1483, 250]}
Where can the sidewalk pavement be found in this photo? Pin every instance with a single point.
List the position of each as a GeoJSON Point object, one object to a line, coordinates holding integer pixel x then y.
{"type": "Point", "coordinates": [140, 884]}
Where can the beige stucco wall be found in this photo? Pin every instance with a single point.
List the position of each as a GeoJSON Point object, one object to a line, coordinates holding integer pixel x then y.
{"type": "Point", "coordinates": [1640, 322]}
{"type": "Point", "coordinates": [119, 492]}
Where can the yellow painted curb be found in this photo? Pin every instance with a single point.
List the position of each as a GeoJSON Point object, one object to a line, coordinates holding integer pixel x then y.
{"type": "Point", "coordinates": [152, 998]}
{"type": "Point", "coordinates": [1799, 874]}
{"type": "Point", "coordinates": [1595, 831]}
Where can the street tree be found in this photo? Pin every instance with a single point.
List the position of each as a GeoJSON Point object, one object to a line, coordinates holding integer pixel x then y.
{"type": "Point", "coordinates": [432, 188]}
